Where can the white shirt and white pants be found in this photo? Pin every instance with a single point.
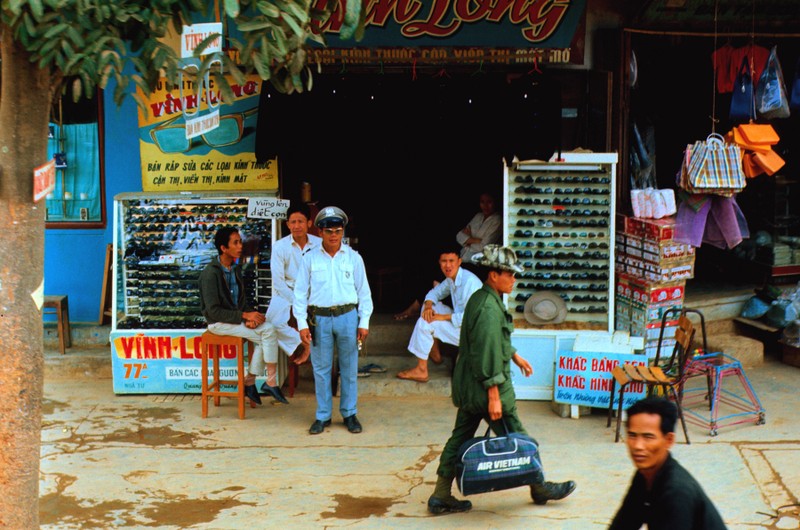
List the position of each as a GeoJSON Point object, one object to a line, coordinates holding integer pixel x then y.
{"type": "Point", "coordinates": [284, 263]}
{"type": "Point", "coordinates": [459, 290]}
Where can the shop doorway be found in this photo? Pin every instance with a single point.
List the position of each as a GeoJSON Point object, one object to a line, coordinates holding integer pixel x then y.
{"type": "Point", "coordinates": [408, 157]}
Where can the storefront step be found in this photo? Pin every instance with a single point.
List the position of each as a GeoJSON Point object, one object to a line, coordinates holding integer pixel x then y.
{"type": "Point", "coordinates": [82, 334]}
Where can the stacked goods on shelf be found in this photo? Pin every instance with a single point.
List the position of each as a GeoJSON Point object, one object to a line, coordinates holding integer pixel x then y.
{"type": "Point", "coordinates": [652, 270]}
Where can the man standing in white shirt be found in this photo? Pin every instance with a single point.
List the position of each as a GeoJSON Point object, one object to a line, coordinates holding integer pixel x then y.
{"type": "Point", "coordinates": [332, 296]}
{"type": "Point", "coordinates": [438, 321]}
{"type": "Point", "coordinates": [287, 253]}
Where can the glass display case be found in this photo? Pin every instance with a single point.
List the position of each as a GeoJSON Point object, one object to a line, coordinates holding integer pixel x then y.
{"type": "Point", "coordinates": [161, 244]}
{"type": "Point", "coordinates": [559, 218]}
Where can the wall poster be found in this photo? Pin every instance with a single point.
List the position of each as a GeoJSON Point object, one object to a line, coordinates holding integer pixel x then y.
{"type": "Point", "coordinates": [222, 158]}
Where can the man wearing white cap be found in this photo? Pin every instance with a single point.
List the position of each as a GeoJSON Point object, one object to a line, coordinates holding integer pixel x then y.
{"type": "Point", "coordinates": [482, 388]}
{"type": "Point", "coordinates": [332, 296]}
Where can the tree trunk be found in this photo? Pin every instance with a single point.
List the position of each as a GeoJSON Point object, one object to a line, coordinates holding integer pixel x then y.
{"type": "Point", "coordinates": [25, 100]}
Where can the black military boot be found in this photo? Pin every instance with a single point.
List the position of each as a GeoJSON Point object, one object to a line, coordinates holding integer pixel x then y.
{"type": "Point", "coordinates": [551, 491]}
{"type": "Point", "coordinates": [442, 501]}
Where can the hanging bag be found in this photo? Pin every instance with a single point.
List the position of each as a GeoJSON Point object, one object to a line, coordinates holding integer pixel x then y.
{"type": "Point", "coordinates": [742, 96]}
{"type": "Point", "coordinates": [794, 99]}
{"type": "Point", "coordinates": [771, 100]}
{"type": "Point", "coordinates": [489, 463]}
{"type": "Point", "coordinates": [714, 167]}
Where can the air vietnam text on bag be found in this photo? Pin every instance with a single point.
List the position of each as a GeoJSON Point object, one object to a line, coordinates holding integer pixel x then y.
{"type": "Point", "coordinates": [488, 463]}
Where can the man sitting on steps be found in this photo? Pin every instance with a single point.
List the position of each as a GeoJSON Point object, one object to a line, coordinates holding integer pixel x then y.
{"type": "Point", "coordinates": [439, 322]}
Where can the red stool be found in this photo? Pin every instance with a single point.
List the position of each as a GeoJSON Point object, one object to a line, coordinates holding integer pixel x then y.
{"type": "Point", "coordinates": [211, 347]}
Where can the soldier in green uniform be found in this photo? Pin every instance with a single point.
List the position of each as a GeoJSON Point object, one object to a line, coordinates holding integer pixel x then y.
{"type": "Point", "coordinates": [482, 388]}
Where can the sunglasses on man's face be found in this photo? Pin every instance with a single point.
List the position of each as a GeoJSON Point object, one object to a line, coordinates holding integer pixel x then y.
{"type": "Point", "coordinates": [332, 231]}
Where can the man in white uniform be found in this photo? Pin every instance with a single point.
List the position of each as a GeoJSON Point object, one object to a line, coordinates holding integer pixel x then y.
{"type": "Point", "coordinates": [287, 253]}
{"type": "Point", "coordinates": [438, 321]}
{"type": "Point", "coordinates": [332, 295]}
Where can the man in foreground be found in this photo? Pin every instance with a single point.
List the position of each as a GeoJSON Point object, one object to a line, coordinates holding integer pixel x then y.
{"type": "Point", "coordinates": [663, 495]}
{"type": "Point", "coordinates": [438, 321]}
{"type": "Point", "coordinates": [332, 296]}
{"type": "Point", "coordinates": [481, 387]}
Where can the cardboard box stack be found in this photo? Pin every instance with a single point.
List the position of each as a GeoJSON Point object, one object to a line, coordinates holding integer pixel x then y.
{"type": "Point", "coordinates": [651, 274]}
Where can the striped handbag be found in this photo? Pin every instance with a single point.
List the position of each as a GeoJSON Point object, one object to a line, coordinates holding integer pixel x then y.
{"type": "Point", "coordinates": [713, 166]}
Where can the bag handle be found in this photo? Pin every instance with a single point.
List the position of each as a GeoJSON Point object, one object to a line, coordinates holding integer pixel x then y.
{"type": "Point", "coordinates": [715, 141]}
{"type": "Point", "coordinates": [505, 427]}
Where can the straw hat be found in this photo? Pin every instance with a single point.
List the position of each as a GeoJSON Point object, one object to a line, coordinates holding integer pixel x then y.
{"type": "Point", "coordinates": [545, 307]}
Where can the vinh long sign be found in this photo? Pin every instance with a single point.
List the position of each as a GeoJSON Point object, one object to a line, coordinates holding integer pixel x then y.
{"type": "Point", "coordinates": [459, 31]}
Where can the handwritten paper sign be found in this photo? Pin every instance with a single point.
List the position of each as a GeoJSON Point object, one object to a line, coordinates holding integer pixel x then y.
{"type": "Point", "coordinates": [267, 208]}
{"type": "Point", "coordinates": [585, 378]}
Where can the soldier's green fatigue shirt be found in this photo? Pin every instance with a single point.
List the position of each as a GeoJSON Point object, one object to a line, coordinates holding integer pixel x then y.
{"type": "Point", "coordinates": [484, 361]}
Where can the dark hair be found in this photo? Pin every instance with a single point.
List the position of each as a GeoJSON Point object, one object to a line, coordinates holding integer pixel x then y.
{"type": "Point", "coordinates": [448, 248]}
{"type": "Point", "coordinates": [657, 405]}
{"type": "Point", "coordinates": [298, 207]}
{"type": "Point", "coordinates": [223, 237]}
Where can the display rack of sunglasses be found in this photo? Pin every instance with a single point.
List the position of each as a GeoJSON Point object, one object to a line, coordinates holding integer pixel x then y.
{"type": "Point", "coordinates": [560, 218]}
{"type": "Point", "coordinates": [166, 243]}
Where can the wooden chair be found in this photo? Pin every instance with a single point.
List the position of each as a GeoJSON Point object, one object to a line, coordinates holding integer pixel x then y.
{"type": "Point", "coordinates": [669, 377]}
{"type": "Point", "coordinates": [60, 304]}
{"type": "Point", "coordinates": [212, 348]}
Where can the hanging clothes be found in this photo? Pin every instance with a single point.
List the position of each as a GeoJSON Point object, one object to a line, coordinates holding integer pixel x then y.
{"type": "Point", "coordinates": [711, 219]}
{"type": "Point", "coordinates": [727, 60]}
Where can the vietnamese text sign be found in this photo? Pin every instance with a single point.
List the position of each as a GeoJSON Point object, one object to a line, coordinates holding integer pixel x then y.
{"type": "Point", "coordinates": [267, 208]}
{"type": "Point", "coordinates": [162, 362]}
{"type": "Point", "coordinates": [584, 378]}
{"type": "Point", "coordinates": [193, 35]}
{"type": "Point", "coordinates": [220, 158]}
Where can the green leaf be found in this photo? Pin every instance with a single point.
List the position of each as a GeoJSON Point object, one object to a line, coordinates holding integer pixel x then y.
{"type": "Point", "coordinates": [55, 30]}
{"type": "Point", "coordinates": [352, 14]}
{"type": "Point", "coordinates": [293, 25]}
{"type": "Point", "coordinates": [268, 9]}
{"type": "Point", "coordinates": [36, 8]}
{"type": "Point", "coordinates": [232, 8]}
{"type": "Point", "coordinates": [254, 25]}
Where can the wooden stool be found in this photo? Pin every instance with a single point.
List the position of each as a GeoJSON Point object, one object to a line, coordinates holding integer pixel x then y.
{"type": "Point", "coordinates": [211, 346]}
{"type": "Point", "coordinates": [60, 304]}
{"type": "Point", "coordinates": [293, 377]}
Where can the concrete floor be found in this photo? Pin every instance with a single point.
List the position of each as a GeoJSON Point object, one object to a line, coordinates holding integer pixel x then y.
{"type": "Point", "coordinates": [150, 461]}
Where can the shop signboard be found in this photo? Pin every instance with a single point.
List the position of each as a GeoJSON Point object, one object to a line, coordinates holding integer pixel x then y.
{"type": "Point", "coordinates": [440, 31]}
{"type": "Point", "coordinates": [221, 158]}
{"type": "Point", "coordinates": [162, 362]}
{"type": "Point", "coordinates": [584, 378]}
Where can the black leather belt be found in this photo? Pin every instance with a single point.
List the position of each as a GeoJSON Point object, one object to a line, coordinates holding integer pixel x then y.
{"type": "Point", "coordinates": [333, 311]}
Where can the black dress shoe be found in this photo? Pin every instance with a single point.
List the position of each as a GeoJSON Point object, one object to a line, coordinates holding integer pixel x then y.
{"type": "Point", "coordinates": [449, 505]}
{"type": "Point", "coordinates": [352, 424]}
{"type": "Point", "coordinates": [251, 392]}
{"type": "Point", "coordinates": [318, 426]}
{"type": "Point", "coordinates": [275, 392]}
{"type": "Point", "coordinates": [551, 491]}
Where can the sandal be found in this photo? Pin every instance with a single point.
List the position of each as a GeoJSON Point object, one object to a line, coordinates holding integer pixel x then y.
{"type": "Point", "coordinates": [363, 373]}
{"type": "Point", "coordinates": [373, 368]}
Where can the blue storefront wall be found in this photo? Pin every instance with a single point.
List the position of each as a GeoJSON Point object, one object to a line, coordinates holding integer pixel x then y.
{"type": "Point", "coordinates": [74, 258]}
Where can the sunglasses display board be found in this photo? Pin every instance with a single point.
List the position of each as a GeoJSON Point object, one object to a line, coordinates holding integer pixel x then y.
{"type": "Point", "coordinates": [162, 242]}
{"type": "Point", "coordinates": [559, 219]}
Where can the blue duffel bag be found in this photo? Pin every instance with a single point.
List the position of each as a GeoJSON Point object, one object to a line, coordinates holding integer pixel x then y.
{"type": "Point", "coordinates": [493, 463]}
